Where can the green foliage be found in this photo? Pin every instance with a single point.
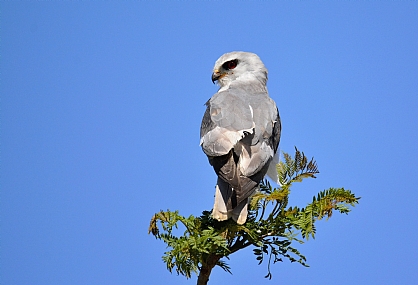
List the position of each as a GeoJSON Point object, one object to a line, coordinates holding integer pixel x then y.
{"type": "Point", "coordinates": [192, 248]}
{"type": "Point", "coordinates": [271, 228]}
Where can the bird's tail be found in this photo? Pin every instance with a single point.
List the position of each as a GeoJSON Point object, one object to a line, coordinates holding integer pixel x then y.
{"type": "Point", "coordinates": [272, 169]}
{"type": "Point", "coordinates": [226, 205]}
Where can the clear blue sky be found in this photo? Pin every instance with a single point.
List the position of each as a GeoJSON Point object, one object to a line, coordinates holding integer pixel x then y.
{"type": "Point", "coordinates": [101, 104]}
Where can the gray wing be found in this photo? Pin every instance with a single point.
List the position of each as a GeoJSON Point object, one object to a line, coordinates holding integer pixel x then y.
{"type": "Point", "coordinates": [264, 142]}
{"type": "Point", "coordinates": [228, 118]}
{"type": "Point", "coordinates": [246, 123]}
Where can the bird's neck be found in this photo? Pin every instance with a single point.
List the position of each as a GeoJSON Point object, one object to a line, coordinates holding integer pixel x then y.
{"type": "Point", "coordinates": [257, 81]}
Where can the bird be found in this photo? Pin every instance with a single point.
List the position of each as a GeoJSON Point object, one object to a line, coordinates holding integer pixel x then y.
{"type": "Point", "coordinates": [240, 133]}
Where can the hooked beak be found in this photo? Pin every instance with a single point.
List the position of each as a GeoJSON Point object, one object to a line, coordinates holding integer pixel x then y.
{"type": "Point", "coordinates": [216, 75]}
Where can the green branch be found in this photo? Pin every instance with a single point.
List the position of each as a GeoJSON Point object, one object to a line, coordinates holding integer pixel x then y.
{"type": "Point", "coordinates": [206, 241]}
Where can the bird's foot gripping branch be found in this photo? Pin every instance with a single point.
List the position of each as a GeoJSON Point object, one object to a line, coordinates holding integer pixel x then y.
{"type": "Point", "coordinates": [271, 229]}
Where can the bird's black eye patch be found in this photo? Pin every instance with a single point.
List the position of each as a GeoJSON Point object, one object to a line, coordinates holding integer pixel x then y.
{"type": "Point", "coordinates": [230, 64]}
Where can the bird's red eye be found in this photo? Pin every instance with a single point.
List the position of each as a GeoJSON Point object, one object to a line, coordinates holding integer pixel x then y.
{"type": "Point", "coordinates": [230, 64]}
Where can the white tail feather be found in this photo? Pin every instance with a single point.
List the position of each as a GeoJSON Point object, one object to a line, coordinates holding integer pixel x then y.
{"type": "Point", "coordinates": [272, 171]}
{"type": "Point", "coordinates": [240, 212]}
{"type": "Point", "coordinates": [219, 208]}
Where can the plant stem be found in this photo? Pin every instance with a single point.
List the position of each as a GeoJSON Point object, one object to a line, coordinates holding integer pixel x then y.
{"type": "Point", "coordinates": [207, 269]}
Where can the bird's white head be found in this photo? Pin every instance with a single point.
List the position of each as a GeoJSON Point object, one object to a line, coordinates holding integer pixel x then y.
{"type": "Point", "coordinates": [239, 66]}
